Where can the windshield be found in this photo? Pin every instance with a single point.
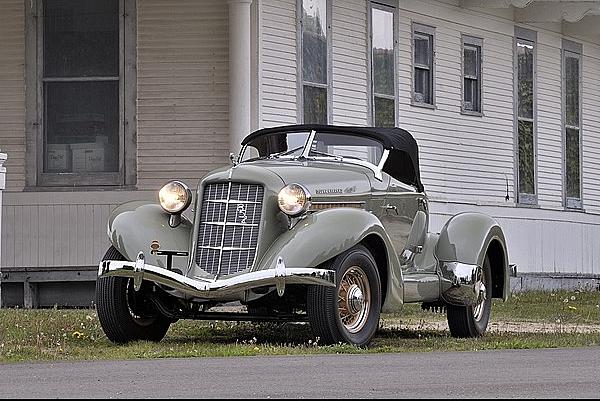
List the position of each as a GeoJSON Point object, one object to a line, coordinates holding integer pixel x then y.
{"type": "Point", "coordinates": [323, 145]}
{"type": "Point", "coordinates": [281, 144]}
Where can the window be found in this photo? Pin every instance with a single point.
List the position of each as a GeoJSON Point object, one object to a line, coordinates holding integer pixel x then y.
{"type": "Point", "coordinates": [383, 66]}
{"type": "Point", "coordinates": [423, 73]}
{"type": "Point", "coordinates": [572, 122]}
{"type": "Point", "coordinates": [471, 102]}
{"type": "Point", "coordinates": [315, 61]}
{"type": "Point", "coordinates": [81, 107]}
{"type": "Point", "coordinates": [525, 116]}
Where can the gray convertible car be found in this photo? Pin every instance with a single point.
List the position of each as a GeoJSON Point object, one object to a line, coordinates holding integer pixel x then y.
{"type": "Point", "coordinates": [314, 223]}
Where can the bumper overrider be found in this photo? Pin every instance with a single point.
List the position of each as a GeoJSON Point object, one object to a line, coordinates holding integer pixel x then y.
{"type": "Point", "coordinates": [214, 289]}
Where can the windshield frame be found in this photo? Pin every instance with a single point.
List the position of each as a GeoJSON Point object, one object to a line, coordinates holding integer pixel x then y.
{"type": "Point", "coordinates": [376, 168]}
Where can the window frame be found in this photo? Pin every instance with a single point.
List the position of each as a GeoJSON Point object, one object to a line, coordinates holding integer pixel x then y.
{"type": "Point", "coordinates": [424, 30]}
{"type": "Point", "coordinates": [36, 178]}
{"type": "Point", "coordinates": [570, 48]}
{"type": "Point", "coordinates": [477, 43]}
{"type": "Point", "coordinates": [391, 8]}
{"type": "Point", "coordinates": [300, 60]}
{"type": "Point", "coordinates": [525, 199]}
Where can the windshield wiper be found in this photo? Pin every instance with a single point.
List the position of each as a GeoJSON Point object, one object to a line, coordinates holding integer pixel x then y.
{"type": "Point", "coordinates": [285, 152]}
{"type": "Point", "coordinates": [337, 157]}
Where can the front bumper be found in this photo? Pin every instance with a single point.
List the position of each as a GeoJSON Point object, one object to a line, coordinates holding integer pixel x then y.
{"type": "Point", "coordinates": [216, 289]}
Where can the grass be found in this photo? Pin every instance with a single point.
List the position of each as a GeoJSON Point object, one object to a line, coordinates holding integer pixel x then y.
{"type": "Point", "coordinates": [55, 334]}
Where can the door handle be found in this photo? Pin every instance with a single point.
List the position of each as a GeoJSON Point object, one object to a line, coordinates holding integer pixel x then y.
{"type": "Point", "coordinates": [390, 207]}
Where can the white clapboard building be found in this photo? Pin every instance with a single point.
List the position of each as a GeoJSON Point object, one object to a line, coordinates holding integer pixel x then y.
{"type": "Point", "coordinates": [103, 101]}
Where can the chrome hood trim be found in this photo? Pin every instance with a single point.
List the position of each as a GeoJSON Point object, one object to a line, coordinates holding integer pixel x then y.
{"type": "Point", "coordinates": [214, 289]}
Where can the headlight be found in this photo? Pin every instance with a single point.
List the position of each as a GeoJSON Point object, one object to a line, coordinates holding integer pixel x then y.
{"type": "Point", "coordinates": [293, 200]}
{"type": "Point", "coordinates": [175, 197]}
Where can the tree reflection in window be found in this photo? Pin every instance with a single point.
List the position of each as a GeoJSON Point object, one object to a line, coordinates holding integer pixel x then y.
{"type": "Point", "coordinates": [314, 60]}
{"type": "Point", "coordinates": [571, 65]}
{"type": "Point", "coordinates": [525, 117]}
{"type": "Point", "coordinates": [383, 67]}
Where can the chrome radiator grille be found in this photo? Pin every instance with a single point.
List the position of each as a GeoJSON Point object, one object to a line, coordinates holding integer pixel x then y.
{"type": "Point", "coordinates": [229, 222]}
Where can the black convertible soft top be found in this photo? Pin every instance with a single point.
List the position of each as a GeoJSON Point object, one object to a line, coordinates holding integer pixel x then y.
{"type": "Point", "coordinates": [402, 163]}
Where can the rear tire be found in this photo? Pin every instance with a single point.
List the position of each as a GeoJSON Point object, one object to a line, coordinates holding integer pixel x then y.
{"type": "Point", "coordinates": [472, 321]}
{"type": "Point", "coordinates": [125, 314]}
{"type": "Point", "coordinates": [348, 312]}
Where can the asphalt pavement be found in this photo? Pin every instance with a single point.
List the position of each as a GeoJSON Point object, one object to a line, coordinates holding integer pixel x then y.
{"type": "Point", "coordinates": [544, 373]}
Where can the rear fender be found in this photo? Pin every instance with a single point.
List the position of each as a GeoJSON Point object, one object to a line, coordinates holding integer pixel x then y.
{"type": "Point", "coordinates": [323, 235]}
{"type": "Point", "coordinates": [466, 238]}
{"type": "Point", "coordinates": [133, 226]}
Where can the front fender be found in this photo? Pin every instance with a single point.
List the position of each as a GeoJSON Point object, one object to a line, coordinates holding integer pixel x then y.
{"type": "Point", "coordinates": [323, 235]}
{"type": "Point", "coordinates": [466, 239]}
{"type": "Point", "coordinates": [134, 225]}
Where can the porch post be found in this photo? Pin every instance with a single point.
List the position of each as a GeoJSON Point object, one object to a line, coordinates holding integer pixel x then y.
{"type": "Point", "coordinates": [239, 72]}
{"type": "Point", "coordinates": [2, 185]}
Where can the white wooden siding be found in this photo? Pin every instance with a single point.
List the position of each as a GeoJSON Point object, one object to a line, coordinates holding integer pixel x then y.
{"type": "Point", "coordinates": [463, 158]}
{"type": "Point", "coordinates": [61, 229]}
{"type": "Point", "coordinates": [349, 52]}
{"type": "Point", "coordinates": [182, 110]}
{"type": "Point", "coordinates": [12, 91]}
{"type": "Point", "coordinates": [279, 75]}
{"type": "Point", "coordinates": [547, 241]}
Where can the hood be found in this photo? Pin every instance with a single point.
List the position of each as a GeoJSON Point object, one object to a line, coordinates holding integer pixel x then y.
{"type": "Point", "coordinates": [323, 179]}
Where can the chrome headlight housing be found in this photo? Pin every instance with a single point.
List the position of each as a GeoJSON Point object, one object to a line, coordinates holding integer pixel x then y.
{"type": "Point", "coordinates": [293, 200]}
{"type": "Point", "coordinates": [175, 197]}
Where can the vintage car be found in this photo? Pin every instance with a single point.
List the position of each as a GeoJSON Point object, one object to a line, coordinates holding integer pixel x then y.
{"type": "Point", "coordinates": [316, 223]}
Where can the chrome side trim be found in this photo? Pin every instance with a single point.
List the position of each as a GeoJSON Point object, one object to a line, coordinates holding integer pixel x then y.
{"type": "Point", "coordinates": [461, 283]}
{"type": "Point", "coordinates": [209, 289]}
{"type": "Point", "coordinates": [316, 206]}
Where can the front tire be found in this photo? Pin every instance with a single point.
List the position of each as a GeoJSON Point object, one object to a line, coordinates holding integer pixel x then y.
{"type": "Point", "coordinates": [125, 314]}
{"type": "Point", "coordinates": [472, 321]}
{"type": "Point", "coordinates": [350, 311]}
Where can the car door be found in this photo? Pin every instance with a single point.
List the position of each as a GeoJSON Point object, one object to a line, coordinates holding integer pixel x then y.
{"type": "Point", "coordinates": [405, 216]}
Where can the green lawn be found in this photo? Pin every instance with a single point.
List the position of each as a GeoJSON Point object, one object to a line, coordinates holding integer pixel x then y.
{"type": "Point", "coordinates": [51, 334]}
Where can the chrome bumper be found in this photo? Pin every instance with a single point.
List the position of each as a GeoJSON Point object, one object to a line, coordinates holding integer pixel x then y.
{"type": "Point", "coordinates": [214, 289]}
{"type": "Point", "coordinates": [462, 284]}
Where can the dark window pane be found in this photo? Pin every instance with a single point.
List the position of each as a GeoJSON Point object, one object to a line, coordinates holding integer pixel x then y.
{"type": "Point", "coordinates": [82, 127]}
{"type": "Point", "coordinates": [422, 49]}
{"type": "Point", "coordinates": [314, 41]}
{"type": "Point", "coordinates": [383, 52]}
{"type": "Point", "coordinates": [525, 79]}
{"type": "Point", "coordinates": [384, 112]}
{"type": "Point", "coordinates": [572, 90]}
{"type": "Point", "coordinates": [81, 38]}
{"type": "Point", "coordinates": [470, 61]}
{"type": "Point", "coordinates": [471, 95]}
{"type": "Point", "coordinates": [526, 158]}
{"type": "Point", "coordinates": [315, 105]}
{"type": "Point", "coordinates": [422, 85]}
{"type": "Point", "coordinates": [572, 163]}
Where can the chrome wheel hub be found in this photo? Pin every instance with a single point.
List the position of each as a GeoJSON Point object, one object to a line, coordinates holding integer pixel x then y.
{"type": "Point", "coordinates": [482, 295]}
{"type": "Point", "coordinates": [354, 299]}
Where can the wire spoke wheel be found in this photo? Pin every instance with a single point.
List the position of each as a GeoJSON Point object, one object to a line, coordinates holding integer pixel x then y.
{"type": "Point", "coordinates": [354, 299]}
{"type": "Point", "coordinates": [348, 312]}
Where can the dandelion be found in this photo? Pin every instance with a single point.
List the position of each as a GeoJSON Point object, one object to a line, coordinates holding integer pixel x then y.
{"type": "Point", "coordinates": [573, 298]}
{"type": "Point", "coordinates": [572, 307]}
{"type": "Point", "coordinates": [77, 334]}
